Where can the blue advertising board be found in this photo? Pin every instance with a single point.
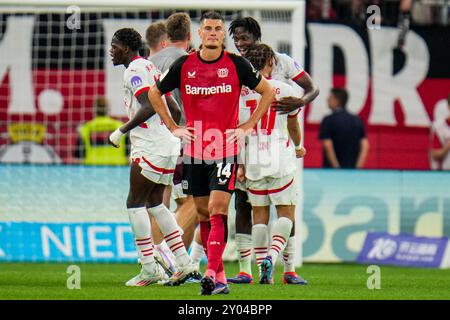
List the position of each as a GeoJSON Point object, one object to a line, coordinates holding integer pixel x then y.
{"type": "Point", "coordinates": [78, 213]}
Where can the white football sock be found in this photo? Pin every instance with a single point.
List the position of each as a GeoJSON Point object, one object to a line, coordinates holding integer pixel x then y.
{"type": "Point", "coordinates": [140, 224]}
{"type": "Point", "coordinates": [244, 248]}
{"type": "Point", "coordinates": [289, 255]}
{"type": "Point", "coordinates": [169, 227]}
{"type": "Point", "coordinates": [165, 253]}
{"type": "Point", "coordinates": [281, 231]}
{"type": "Point", "coordinates": [260, 239]}
{"type": "Point", "coordinates": [197, 252]}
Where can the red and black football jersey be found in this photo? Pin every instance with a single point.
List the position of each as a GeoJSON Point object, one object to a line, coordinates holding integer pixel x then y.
{"type": "Point", "coordinates": [210, 93]}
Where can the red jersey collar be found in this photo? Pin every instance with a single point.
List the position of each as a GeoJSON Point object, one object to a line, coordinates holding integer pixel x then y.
{"type": "Point", "coordinates": [212, 61]}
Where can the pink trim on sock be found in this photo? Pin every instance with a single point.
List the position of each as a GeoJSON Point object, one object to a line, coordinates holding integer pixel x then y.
{"type": "Point", "coordinates": [210, 273]}
{"type": "Point", "coordinates": [220, 277]}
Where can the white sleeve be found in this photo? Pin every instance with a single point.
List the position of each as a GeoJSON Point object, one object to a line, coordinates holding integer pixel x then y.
{"type": "Point", "coordinates": [292, 69]}
{"type": "Point", "coordinates": [244, 111]}
{"type": "Point", "coordinates": [137, 80]}
{"type": "Point", "coordinates": [287, 91]}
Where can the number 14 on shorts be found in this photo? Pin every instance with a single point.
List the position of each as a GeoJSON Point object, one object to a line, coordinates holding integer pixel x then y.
{"type": "Point", "coordinates": [224, 172]}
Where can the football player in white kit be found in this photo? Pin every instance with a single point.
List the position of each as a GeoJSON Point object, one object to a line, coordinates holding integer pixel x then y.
{"type": "Point", "coordinates": [246, 32]}
{"type": "Point", "coordinates": [440, 139]}
{"type": "Point", "coordinates": [270, 167]}
{"type": "Point", "coordinates": [154, 152]}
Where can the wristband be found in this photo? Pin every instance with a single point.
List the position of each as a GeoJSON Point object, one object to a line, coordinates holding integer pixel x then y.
{"type": "Point", "coordinates": [115, 137]}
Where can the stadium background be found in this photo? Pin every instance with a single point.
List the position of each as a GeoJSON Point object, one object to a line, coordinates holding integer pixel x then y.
{"type": "Point", "coordinates": [50, 75]}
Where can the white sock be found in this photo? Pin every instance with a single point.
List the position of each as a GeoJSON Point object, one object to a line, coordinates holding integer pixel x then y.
{"type": "Point", "coordinates": [166, 254]}
{"type": "Point", "coordinates": [169, 227]}
{"type": "Point", "coordinates": [163, 246]}
{"type": "Point", "coordinates": [289, 255]}
{"type": "Point", "coordinates": [260, 239]}
{"type": "Point", "coordinates": [281, 231]}
{"type": "Point", "coordinates": [244, 248]}
{"type": "Point", "coordinates": [140, 224]}
{"type": "Point", "coordinates": [197, 252]}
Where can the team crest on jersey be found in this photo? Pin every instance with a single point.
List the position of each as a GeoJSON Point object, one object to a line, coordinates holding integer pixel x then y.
{"type": "Point", "coordinates": [222, 73]}
{"type": "Point", "coordinates": [191, 75]}
{"type": "Point", "coordinates": [136, 81]}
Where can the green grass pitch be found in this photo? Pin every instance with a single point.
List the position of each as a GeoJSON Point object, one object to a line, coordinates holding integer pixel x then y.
{"type": "Point", "coordinates": [326, 281]}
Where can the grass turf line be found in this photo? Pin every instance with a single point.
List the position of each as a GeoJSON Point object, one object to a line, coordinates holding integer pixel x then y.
{"type": "Point", "coordinates": [326, 281]}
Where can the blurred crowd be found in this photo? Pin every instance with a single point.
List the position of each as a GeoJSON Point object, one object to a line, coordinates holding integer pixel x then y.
{"type": "Point", "coordinates": [393, 12]}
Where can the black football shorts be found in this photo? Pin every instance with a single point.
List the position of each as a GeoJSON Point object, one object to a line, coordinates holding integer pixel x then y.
{"type": "Point", "coordinates": [200, 177]}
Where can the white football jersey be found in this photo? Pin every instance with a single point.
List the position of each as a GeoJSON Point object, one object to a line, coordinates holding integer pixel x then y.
{"type": "Point", "coordinates": [269, 151]}
{"type": "Point", "coordinates": [441, 133]}
{"type": "Point", "coordinates": [152, 135]}
{"type": "Point", "coordinates": [287, 69]}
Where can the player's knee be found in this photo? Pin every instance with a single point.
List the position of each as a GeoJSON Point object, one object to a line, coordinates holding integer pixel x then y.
{"type": "Point", "coordinates": [180, 201]}
{"type": "Point", "coordinates": [135, 202]}
{"type": "Point", "coordinates": [243, 223]}
{"type": "Point", "coordinates": [216, 207]}
{"type": "Point", "coordinates": [243, 213]}
{"type": "Point", "coordinates": [153, 202]}
{"type": "Point", "coordinates": [155, 198]}
{"type": "Point", "coordinates": [260, 217]}
{"type": "Point", "coordinates": [203, 214]}
{"type": "Point", "coordinates": [241, 203]}
{"type": "Point", "coordinates": [286, 212]}
{"type": "Point", "coordinates": [292, 230]}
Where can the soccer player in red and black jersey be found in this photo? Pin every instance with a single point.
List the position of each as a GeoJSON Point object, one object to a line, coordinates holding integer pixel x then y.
{"type": "Point", "coordinates": [210, 82]}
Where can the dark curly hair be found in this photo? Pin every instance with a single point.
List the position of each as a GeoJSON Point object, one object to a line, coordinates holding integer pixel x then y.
{"type": "Point", "coordinates": [129, 37]}
{"type": "Point", "coordinates": [259, 55]}
{"type": "Point", "coordinates": [249, 24]}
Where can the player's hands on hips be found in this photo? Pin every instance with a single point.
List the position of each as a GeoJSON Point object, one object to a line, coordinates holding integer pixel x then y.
{"type": "Point", "coordinates": [447, 145]}
{"type": "Point", "coordinates": [240, 174]}
{"type": "Point", "coordinates": [288, 104]}
{"type": "Point", "coordinates": [300, 153]}
{"type": "Point", "coordinates": [184, 133]}
{"type": "Point", "coordinates": [114, 138]}
{"type": "Point", "coordinates": [236, 135]}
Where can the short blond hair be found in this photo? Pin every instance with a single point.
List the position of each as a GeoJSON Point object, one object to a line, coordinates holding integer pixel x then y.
{"type": "Point", "coordinates": [178, 26]}
{"type": "Point", "coordinates": [155, 32]}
